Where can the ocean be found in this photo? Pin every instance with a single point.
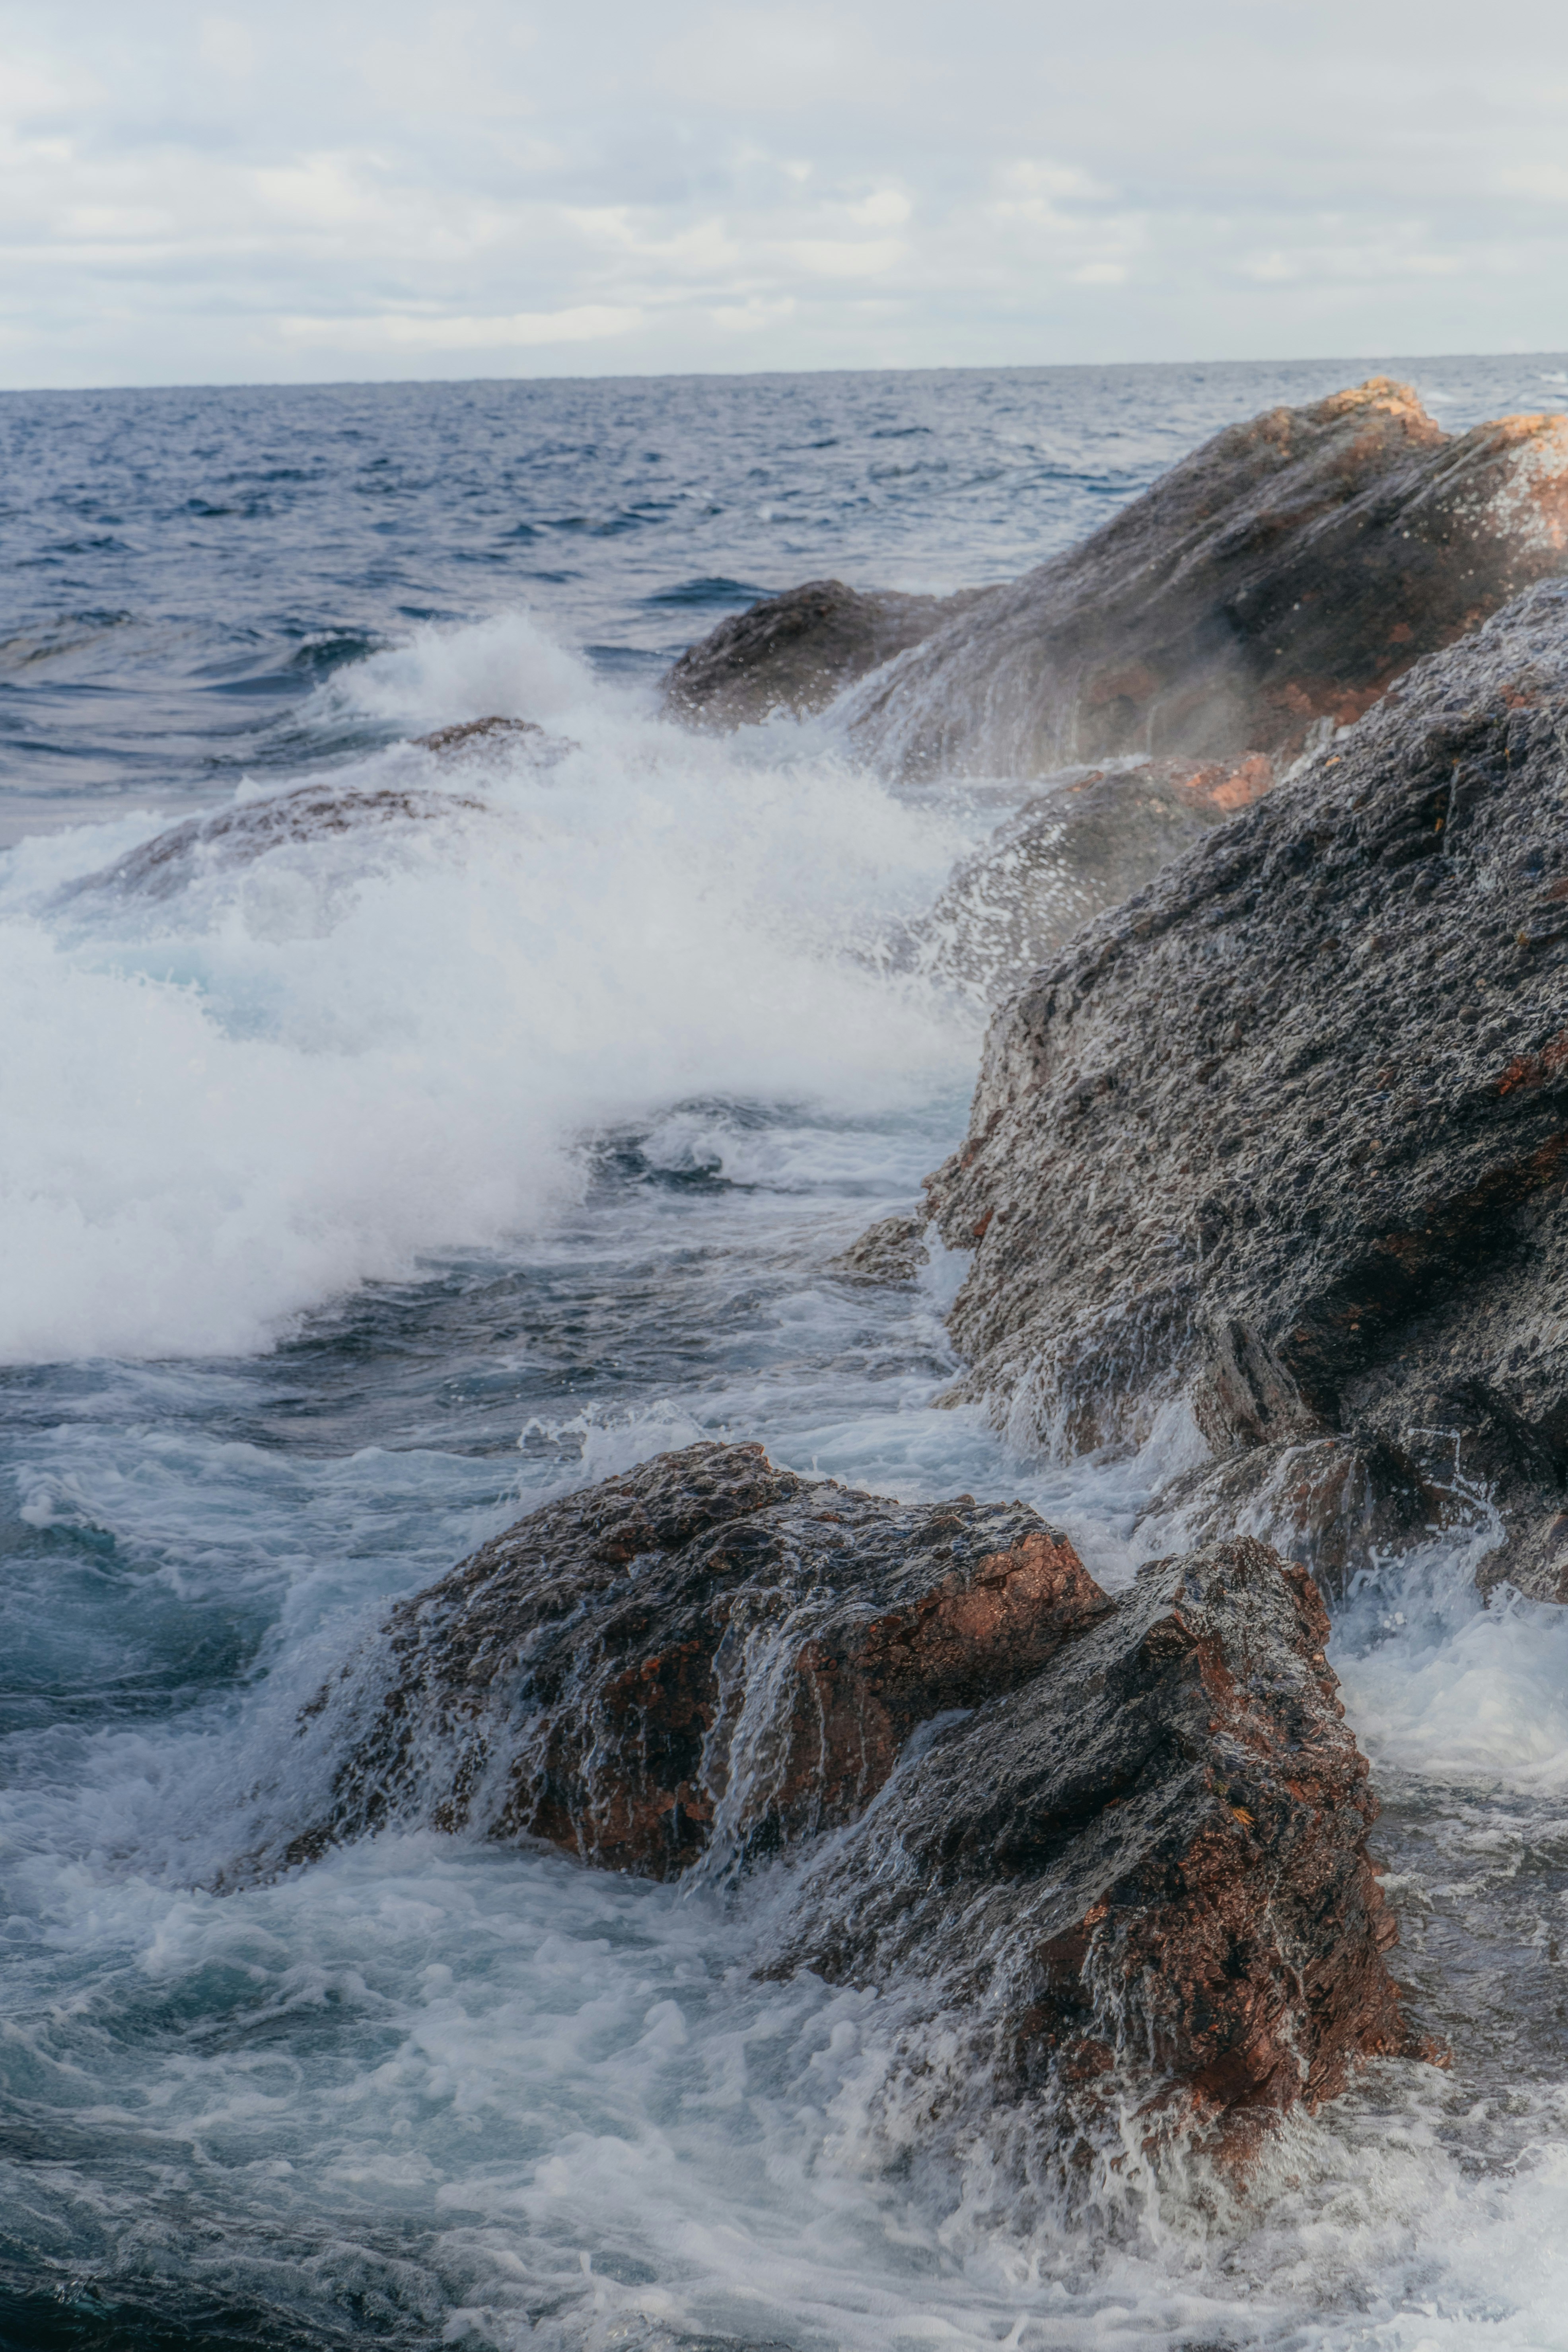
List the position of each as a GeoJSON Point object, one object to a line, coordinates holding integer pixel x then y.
{"type": "Point", "coordinates": [365, 1182]}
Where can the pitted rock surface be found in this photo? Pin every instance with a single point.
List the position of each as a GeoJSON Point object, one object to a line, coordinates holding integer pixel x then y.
{"type": "Point", "coordinates": [1286, 1135]}
{"type": "Point", "coordinates": [705, 1646]}
{"type": "Point", "coordinates": [1142, 1872]}
{"type": "Point", "coordinates": [1275, 582]}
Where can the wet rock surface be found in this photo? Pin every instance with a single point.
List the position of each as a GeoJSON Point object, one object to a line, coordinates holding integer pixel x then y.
{"type": "Point", "coordinates": [892, 1250]}
{"type": "Point", "coordinates": [1109, 1854]}
{"type": "Point", "coordinates": [1286, 1136]}
{"type": "Point", "coordinates": [1069, 854]}
{"type": "Point", "coordinates": [1277, 579]}
{"type": "Point", "coordinates": [1136, 1889]}
{"type": "Point", "coordinates": [797, 651]}
{"type": "Point", "coordinates": [705, 1651]}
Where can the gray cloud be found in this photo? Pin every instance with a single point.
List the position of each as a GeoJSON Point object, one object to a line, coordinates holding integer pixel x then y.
{"type": "Point", "coordinates": [239, 192]}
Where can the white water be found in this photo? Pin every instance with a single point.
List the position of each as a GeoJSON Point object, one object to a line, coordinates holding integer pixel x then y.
{"type": "Point", "coordinates": [498, 2099]}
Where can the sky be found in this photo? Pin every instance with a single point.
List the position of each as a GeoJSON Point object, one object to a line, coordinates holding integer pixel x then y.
{"type": "Point", "coordinates": [320, 190]}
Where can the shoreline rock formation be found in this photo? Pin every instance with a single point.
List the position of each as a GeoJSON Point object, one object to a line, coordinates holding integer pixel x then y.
{"type": "Point", "coordinates": [1122, 1841]}
{"type": "Point", "coordinates": [1286, 1138]}
{"type": "Point", "coordinates": [1278, 579]}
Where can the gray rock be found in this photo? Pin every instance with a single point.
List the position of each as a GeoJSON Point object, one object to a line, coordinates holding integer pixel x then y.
{"type": "Point", "coordinates": [891, 1251]}
{"type": "Point", "coordinates": [1286, 1136]}
{"type": "Point", "coordinates": [796, 651]}
{"type": "Point", "coordinates": [1068, 855]}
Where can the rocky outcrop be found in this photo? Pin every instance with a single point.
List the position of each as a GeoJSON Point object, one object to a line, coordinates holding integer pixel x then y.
{"type": "Point", "coordinates": [797, 651]}
{"type": "Point", "coordinates": [705, 1649]}
{"type": "Point", "coordinates": [1286, 1138]}
{"type": "Point", "coordinates": [893, 1250]}
{"type": "Point", "coordinates": [1278, 579]}
{"type": "Point", "coordinates": [1111, 1853]}
{"type": "Point", "coordinates": [1069, 854]}
{"type": "Point", "coordinates": [1138, 1882]}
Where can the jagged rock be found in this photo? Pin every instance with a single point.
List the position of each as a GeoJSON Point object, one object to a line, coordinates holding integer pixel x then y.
{"type": "Point", "coordinates": [1287, 1136]}
{"type": "Point", "coordinates": [1277, 579]}
{"type": "Point", "coordinates": [706, 1647]}
{"type": "Point", "coordinates": [892, 1250]}
{"type": "Point", "coordinates": [1139, 1880]}
{"type": "Point", "coordinates": [797, 651]}
{"type": "Point", "coordinates": [1122, 1864]}
{"type": "Point", "coordinates": [1067, 855]}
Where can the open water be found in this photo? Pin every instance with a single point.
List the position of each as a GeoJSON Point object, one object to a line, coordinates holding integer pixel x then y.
{"type": "Point", "coordinates": [363, 1185]}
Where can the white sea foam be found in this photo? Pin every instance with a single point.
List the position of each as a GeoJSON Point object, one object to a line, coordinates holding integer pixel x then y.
{"type": "Point", "coordinates": [308, 1065]}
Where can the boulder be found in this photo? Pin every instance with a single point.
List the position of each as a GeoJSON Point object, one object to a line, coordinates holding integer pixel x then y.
{"type": "Point", "coordinates": [893, 1250]}
{"type": "Point", "coordinates": [1109, 1854]}
{"type": "Point", "coordinates": [705, 1649]}
{"type": "Point", "coordinates": [1068, 854]}
{"type": "Point", "coordinates": [1134, 1894]}
{"type": "Point", "coordinates": [1284, 1140]}
{"type": "Point", "coordinates": [1275, 582]}
{"type": "Point", "coordinates": [796, 651]}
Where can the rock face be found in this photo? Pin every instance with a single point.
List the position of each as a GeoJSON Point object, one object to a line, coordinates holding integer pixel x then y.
{"type": "Point", "coordinates": [1139, 1879]}
{"type": "Point", "coordinates": [797, 651]}
{"type": "Point", "coordinates": [706, 1648]}
{"type": "Point", "coordinates": [1287, 1136]}
{"type": "Point", "coordinates": [1069, 854]}
{"type": "Point", "coordinates": [1281, 576]}
{"type": "Point", "coordinates": [1123, 1861]}
{"type": "Point", "coordinates": [893, 1250]}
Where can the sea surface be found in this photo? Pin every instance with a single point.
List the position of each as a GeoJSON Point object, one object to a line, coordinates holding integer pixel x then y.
{"type": "Point", "coordinates": [363, 1183]}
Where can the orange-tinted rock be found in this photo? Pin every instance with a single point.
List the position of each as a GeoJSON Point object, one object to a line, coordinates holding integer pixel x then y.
{"type": "Point", "coordinates": [1139, 1880]}
{"type": "Point", "coordinates": [705, 1645]}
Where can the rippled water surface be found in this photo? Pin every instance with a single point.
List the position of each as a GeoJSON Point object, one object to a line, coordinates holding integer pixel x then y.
{"type": "Point", "coordinates": [365, 1183]}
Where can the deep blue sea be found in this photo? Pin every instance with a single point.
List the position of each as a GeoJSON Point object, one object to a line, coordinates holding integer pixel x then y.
{"type": "Point", "coordinates": [366, 1181]}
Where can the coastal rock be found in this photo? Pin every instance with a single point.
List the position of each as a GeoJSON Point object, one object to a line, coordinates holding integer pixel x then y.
{"type": "Point", "coordinates": [1284, 1139]}
{"type": "Point", "coordinates": [1275, 582]}
{"type": "Point", "coordinates": [1069, 854]}
{"type": "Point", "coordinates": [797, 651]}
{"type": "Point", "coordinates": [1106, 1856]}
{"type": "Point", "coordinates": [1137, 1882]}
{"type": "Point", "coordinates": [705, 1650]}
{"type": "Point", "coordinates": [892, 1250]}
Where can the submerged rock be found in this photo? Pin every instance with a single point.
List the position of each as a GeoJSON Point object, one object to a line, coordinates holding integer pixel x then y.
{"type": "Point", "coordinates": [1138, 1882]}
{"type": "Point", "coordinates": [706, 1648]}
{"type": "Point", "coordinates": [1116, 1847]}
{"type": "Point", "coordinates": [172, 860]}
{"type": "Point", "coordinates": [1277, 579]}
{"type": "Point", "coordinates": [1286, 1138]}
{"type": "Point", "coordinates": [797, 651]}
{"type": "Point", "coordinates": [1069, 854]}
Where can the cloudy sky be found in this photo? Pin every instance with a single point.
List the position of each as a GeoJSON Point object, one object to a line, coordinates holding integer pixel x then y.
{"type": "Point", "coordinates": [320, 189]}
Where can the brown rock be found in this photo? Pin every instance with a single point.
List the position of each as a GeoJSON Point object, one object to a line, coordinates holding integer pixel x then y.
{"type": "Point", "coordinates": [1140, 1879]}
{"type": "Point", "coordinates": [1273, 583]}
{"type": "Point", "coordinates": [704, 1643]}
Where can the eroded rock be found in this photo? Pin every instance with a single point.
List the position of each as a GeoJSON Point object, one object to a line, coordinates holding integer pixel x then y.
{"type": "Point", "coordinates": [1287, 1136]}
{"type": "Point", "coordinates": [705, 1648]}
{"type": "Point", "coordinates": [1137, 1882]}
{"type": "Point", "coordinates": [893, 1250]}
{"type": "Point", "coordinates": [1277, 579]}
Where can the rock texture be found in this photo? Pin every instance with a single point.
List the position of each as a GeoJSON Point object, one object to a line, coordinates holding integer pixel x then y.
{"type": "Point", "coordinates": [1277, 579]}
{"type": "Point", "coordinates": [705, 1649]}
{"type": "Point", "coordinates": [1286, 1136]}
{"type": "Point", "coordinates": [1139, 1880]}
{"type": "Point", "coordinates": [797, 651]}
{"type": "Point", "coordinates": [1108, 1856]}
{"type": "Point", "coordinates": [892, 1250]}
{"type": "Point", "coordinates": [1069, 854]}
